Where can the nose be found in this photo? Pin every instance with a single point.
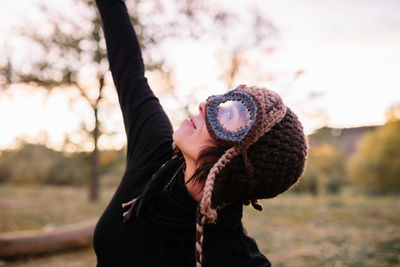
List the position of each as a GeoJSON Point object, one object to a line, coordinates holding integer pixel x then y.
{"type": "Point", "coordinates": [202, 108]}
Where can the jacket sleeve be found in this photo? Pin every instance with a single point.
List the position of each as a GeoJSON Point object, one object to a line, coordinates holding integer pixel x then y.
{"type": "Point", "coordinates": [147, 127]}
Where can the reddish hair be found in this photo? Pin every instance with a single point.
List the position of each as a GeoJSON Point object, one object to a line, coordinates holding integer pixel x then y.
{"type": "Point", "coordinates": [208, 156]}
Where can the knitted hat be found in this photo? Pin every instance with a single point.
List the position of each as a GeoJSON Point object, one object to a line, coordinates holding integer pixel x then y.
{"type": "Point", "coordinates": [266, 156]}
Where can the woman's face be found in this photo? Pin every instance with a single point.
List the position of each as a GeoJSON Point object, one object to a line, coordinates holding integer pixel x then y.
{"type": "Point", "coordinates": [193, 135]}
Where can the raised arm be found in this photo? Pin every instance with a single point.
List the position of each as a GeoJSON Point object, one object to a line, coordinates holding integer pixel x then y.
{"type": "Point", "coordinates": [147, 127]}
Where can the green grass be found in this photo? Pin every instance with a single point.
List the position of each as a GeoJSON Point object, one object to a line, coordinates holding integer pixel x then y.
{"type": "Point", "coordinates": [302, 230]}
{"type": "Point", "coordinates": [293, 230]}
{"type": "Point", "coordinates": [35, 207]}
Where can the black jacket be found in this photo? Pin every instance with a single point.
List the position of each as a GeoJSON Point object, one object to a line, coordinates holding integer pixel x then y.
{"type": "Point", "coordinates": [163, 232]}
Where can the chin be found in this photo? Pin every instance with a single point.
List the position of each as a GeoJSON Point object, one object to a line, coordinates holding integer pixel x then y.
{"type": "Point", "coordinates": [182, 133]}
{"type": "Point", "coordinates": [182, 140]}
{"type": "Point", "coordinates": [179, 137]}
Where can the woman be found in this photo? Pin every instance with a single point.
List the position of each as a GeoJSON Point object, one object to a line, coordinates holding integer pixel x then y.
{"type": "Point", "coordinates": [187, 201]}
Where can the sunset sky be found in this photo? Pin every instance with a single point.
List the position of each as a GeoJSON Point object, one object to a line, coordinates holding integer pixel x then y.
{"type": "Point", "coordinates": [349, 51]}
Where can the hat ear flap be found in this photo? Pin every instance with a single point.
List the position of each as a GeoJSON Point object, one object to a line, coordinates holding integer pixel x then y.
{"type": "Point", "coordinates": [233, 183]}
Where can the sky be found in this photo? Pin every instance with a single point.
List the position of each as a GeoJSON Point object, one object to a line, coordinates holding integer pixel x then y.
{"type": "Point", "coordinates": [349, 51]}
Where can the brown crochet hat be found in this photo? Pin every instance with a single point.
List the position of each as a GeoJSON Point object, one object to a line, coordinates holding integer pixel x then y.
{"type": "Point", "coordinates": [266, 156]}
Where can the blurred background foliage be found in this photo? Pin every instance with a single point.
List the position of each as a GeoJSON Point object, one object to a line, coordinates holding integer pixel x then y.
{"type": "Point", "coordinates": [366, 159]}
{"type": "Point", "coordinates": [376, 165]}
{"type": "Point", "coordinates": [31, 164]}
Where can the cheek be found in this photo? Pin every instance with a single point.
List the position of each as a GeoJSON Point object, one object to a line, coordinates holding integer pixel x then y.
{"type": "Point", "coordinates": [205, 135]}
{"type": "Point", "coordinates": [191, 141]}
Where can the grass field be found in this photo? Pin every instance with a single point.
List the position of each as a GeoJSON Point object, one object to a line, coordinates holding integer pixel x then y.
{"type": "Point", "coordinates": [293, 230]}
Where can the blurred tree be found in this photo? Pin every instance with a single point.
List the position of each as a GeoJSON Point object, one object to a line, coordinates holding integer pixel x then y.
{"type": "Point", "coordinates": [393, 113]}
{"type": "Point", "coordinates": [37, 164]}
{"type": "Point", "coordinates": [70, 50]}
{"type": "Point", "coordinates": [376, 165]}
{"type": "Point", "coordinates": [236, 58]}
{"type": "Point", "coordinates": [5, 73]}
{"type": "Point", "coordinates": [236, 54]}
{"type": "Point", "coordinates": [308, 182]}
{"type": "Point", "coordinates": [325, 170]}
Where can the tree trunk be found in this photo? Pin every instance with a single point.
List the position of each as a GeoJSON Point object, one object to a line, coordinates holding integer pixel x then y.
{"type": "Point", "coordinates": [34, 242]}
{"type": "Point", "coordinates": [94, 164]}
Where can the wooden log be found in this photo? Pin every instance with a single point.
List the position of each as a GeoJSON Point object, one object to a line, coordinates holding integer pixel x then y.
{"type": "Point", "coordinates": [60, 238]}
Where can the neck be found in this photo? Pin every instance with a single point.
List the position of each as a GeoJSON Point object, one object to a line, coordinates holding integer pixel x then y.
{"type": "Point", "coordinates": [195, 189]}
{"type": "Point", "coordinates": [189, 169]}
